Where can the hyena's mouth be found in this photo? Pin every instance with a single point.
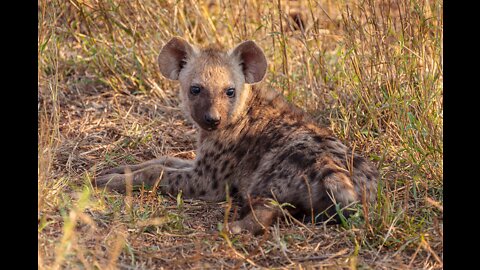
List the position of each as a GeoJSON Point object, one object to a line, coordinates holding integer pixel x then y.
{"type": "Point", "coordinates": [212, 128]}
{"type": "Point", "coordinates": [207, 127]}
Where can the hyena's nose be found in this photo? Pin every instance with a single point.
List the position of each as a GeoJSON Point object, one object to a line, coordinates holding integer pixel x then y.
{"type": "Point", "coordinates": [212, 119]}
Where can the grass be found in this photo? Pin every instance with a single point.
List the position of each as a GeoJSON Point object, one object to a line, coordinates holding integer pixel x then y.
{"type": "Point", "coordinates": [370, 70]}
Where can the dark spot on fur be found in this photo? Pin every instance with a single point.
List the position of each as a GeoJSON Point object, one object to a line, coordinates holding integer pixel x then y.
{"type": "Point", "coordinates": [207, 167]}
{"type": "Point", "coordinates": [248, 140]}
{"type": "Point", "coordinates": [372, 175]}
{"type": "Point", "coordinates": [283, 174]}
{"type": "Point", "coordinates": [228, 149]}
{"type": "Point", "coordinates": [300, 160]}
{"type": "Point", "coordinates": [318, 139]}
{"type": "Point", "coordinates": [241, 151]}
{"type": "Point", "coordinates": [358, 161]}
{"type": "Point", "coordinates": [217, 145]}
{"type": "Point", "coordinates": [297, 124]}
{"type": "Point", "coordinates": [254, 161]}
{"type": "Point", "coordinates": [268, 175]}
{"type": "Point", "coordinates": [284, 155]}
{"type": "Point", "coordinates": [214, 184]}
{"type": "Point", "coordinates": [343, 156]}
{"type": "Point", "coordinates": [326, 172]}
{"type": "Point", "coordinates": [275, 136]}
{"type": "Point", "coordinates": [301, 146]}
{"type": "Point", "coordinates": [224, 166]}
{"type": "Point", "coordinates": [234, 190]}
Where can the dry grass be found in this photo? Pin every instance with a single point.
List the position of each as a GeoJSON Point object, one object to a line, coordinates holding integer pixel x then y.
{"type": "Point", "coordinates": [371, 70]}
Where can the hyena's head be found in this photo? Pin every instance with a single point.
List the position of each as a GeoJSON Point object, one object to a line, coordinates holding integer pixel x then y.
{"type": "Point", "coordinates": [213, 82]}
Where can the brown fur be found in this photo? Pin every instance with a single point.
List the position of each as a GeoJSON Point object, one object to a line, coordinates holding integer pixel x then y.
{"type": "Point", "coordinates": [264, 148]}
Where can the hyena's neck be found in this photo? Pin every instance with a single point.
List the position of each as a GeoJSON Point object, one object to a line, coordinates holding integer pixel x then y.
{"type": "Point", "coordinates": [263, 106]}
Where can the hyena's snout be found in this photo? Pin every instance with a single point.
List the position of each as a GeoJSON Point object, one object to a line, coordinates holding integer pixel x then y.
{"type": "Point", "coordinates": [212, 118]}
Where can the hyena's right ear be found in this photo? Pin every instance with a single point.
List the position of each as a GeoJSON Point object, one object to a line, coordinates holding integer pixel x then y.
{"type": "Point", "coordinates": [173, 57]}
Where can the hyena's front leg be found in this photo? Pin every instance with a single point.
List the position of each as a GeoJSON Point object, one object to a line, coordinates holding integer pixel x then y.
{"type": "Point", "coordinates": [192, 181]}
{"type": "Point", "coordinates": [168, 179]}
{"type": "Point", "coordinates": [171, 162]}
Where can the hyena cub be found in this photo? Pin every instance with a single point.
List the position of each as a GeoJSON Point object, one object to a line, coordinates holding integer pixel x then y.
{"type": "Point", "coordinates": [250, 139]}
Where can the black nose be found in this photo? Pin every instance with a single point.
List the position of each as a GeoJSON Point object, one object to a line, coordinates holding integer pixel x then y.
{"type": "Point", "coordinates": [212, 120]}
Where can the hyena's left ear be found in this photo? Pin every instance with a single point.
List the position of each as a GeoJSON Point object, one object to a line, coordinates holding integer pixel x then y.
{"type": "Point", "coordinates": [173, 57]}
{"type": "Point", "coordinates": [252, 60]}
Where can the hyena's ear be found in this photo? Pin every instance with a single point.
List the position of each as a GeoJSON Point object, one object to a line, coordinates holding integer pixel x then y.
{"type": "Point", "coordinates": [173, 57]}
{"type": "Point", "coordinates": [252, 60]}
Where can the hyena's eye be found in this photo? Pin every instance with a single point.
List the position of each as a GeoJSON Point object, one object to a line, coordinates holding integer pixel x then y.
{"type": "Point", "coordinates": [230, 92]}
{"type": "Point", "coordinates": [195, 90]}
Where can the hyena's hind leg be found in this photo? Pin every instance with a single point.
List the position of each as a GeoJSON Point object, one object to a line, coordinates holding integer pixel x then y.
{"type": "Point", "coordinates": [258, 217]}
{"type": "Point", "coordinates": [170, 162]}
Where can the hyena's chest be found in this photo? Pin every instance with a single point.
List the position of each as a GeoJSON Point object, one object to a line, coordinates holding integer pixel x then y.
{"type": "Point", "coordinates": [231, 158]}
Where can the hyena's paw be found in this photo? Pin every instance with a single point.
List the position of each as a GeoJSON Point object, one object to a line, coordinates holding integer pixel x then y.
{"type": "Point", "coordinates": [246, 225]}
{"type": "Point", "coordinates": [255, 222]}
{"type": "Point", "coordinates": [115, 181]}
{"type": "Point", "coordinates": [147, 177]}
{"type": "Point", "coordinates": [235, 227]}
